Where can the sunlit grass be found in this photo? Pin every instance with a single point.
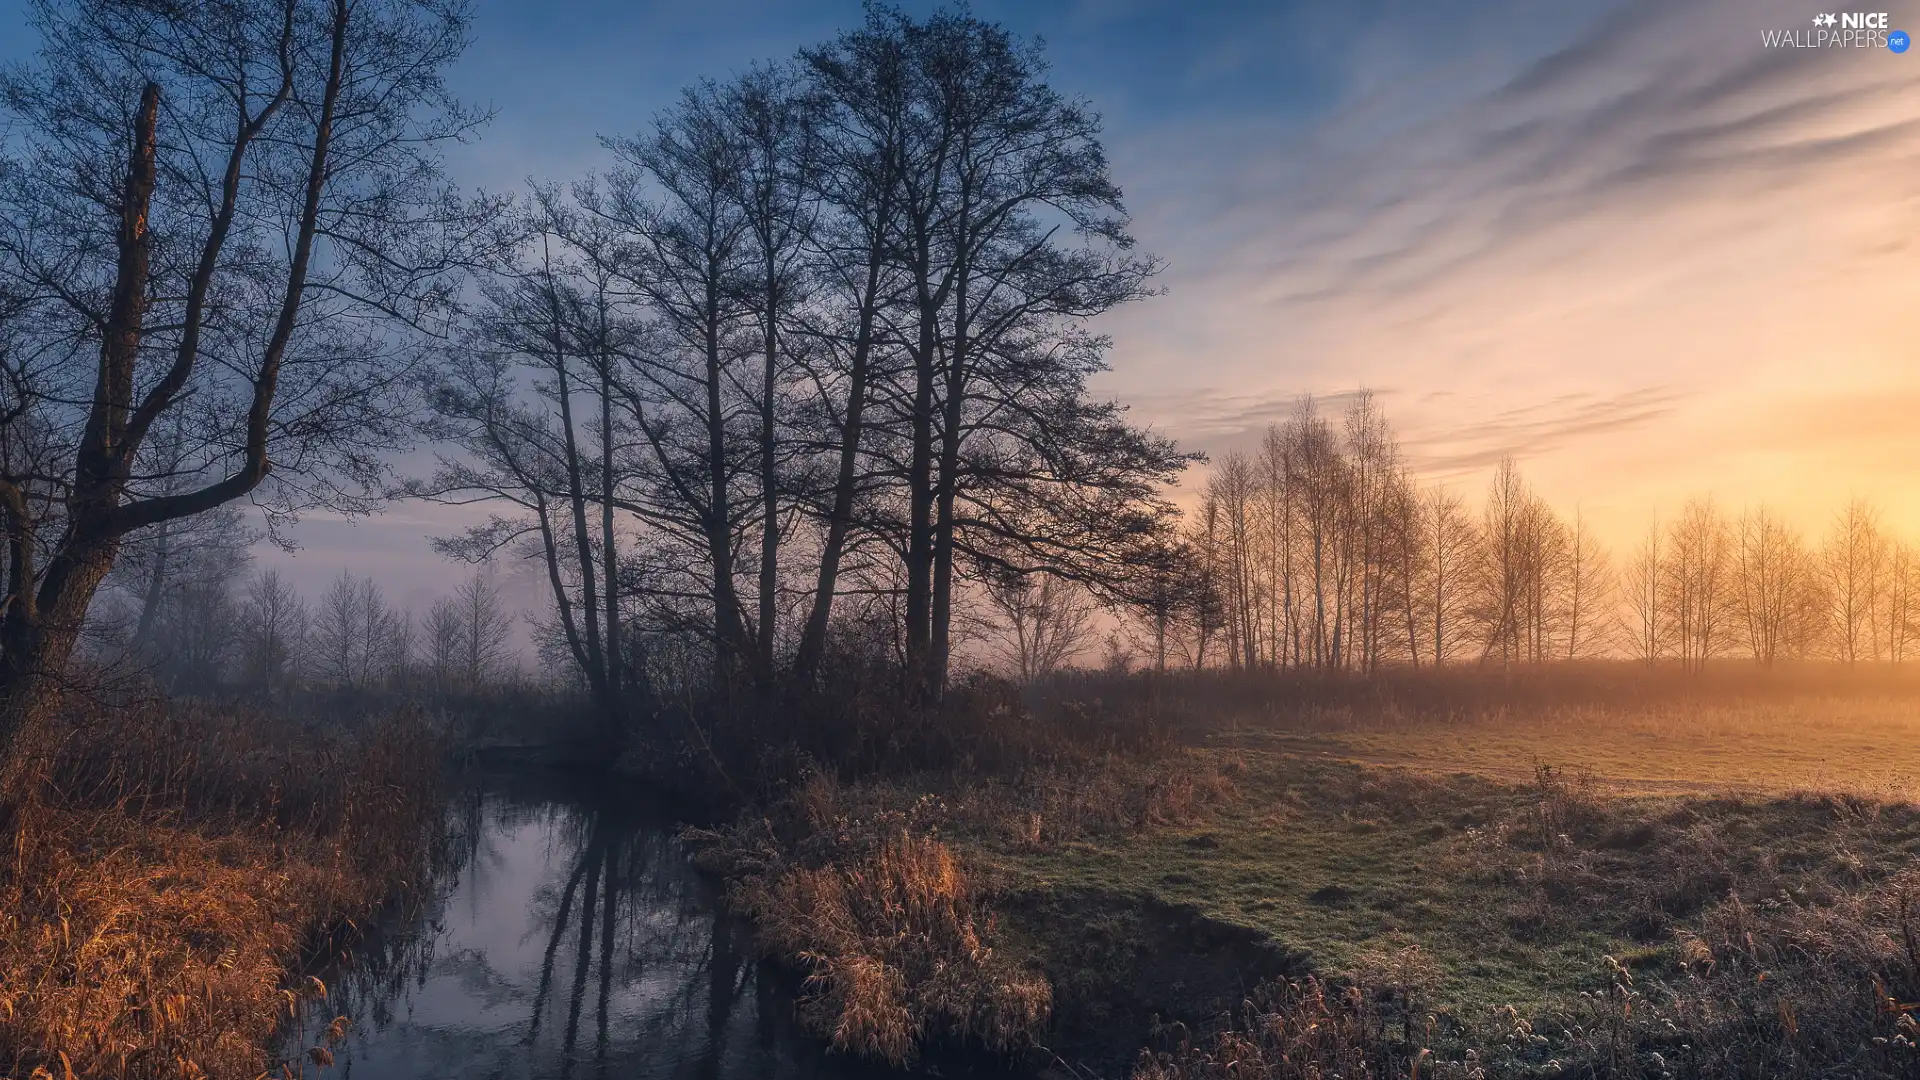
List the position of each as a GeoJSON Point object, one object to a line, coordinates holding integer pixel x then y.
{"type": "Point", "coordinates": [154, 909]}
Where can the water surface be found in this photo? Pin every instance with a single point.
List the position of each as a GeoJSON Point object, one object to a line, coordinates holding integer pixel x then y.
{"type": "Point", "coordinates": [568, 937]}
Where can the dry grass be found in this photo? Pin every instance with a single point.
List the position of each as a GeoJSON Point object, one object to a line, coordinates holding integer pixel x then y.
{"type": "Point", "coordinates": [893, 931]}
{"type": "Point", "coordinates": [1711, 879]}
{"type": "Point", "coordinates": [1288, 1030]}
{"type": "Point", "coordinates": [897, 947]}
{"type": "Point", "coordinates": [153, 909]}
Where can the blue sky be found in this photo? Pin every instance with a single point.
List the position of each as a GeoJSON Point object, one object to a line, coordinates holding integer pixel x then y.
{"type": "Point", "coordinates": [1616, 237]}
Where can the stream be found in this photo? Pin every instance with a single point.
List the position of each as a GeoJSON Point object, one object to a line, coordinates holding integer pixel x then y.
{"type": "Point", "coordinates": [567, 937]}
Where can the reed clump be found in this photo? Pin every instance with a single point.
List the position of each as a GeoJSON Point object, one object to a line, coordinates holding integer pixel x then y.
{"type": "Point", "coordinates": [892, 929]}
{"type": "Point", "coordinates": [156, 899]}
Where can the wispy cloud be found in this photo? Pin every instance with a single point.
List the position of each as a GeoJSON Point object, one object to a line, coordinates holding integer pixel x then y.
{"type": "Point", "coordinates": [1535, 430]}
{"type": "Point", "coordinates": [1619, 254]}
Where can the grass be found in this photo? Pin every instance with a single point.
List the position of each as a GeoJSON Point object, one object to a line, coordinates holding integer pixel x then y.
{"type": "Point", "coordinates": [1622, 874]}
{"type": "Point", "coordinates": [1862, 746]}
{"type": "Point", "coordinates": [156, 903]}
{"type": "Point", "coordinates": [1812, 728]}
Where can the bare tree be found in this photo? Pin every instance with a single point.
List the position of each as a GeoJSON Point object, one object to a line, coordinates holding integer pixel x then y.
{"type": "Point", "coordinates": [1697, 583]}
{"type": "Point", "coordinates": [486, 627]}
{"type": "Point", "coordinates": [1500, 604]}
{"type": "Point", "coordinates": [1047, 621]}
{"type": "Point", "coordinates": [860, 87]}
{"type": "Point", "coordinates": [1371, 526]}
{"type": "Point", "coordinates": [199, 635]}
{"type": "Point", "coordinates": [1320, 478]}
{"type": "Point", "coordinates": [1406, 556]}
{"type": "Point", "coordinates": [1851, 568]}
{"type": "Point", "coordinates": [1900, 602]}
{"type": "Point", "coordinates": [441, 633]}
{"type": "Point", "coordinates": [778, 195]}
{"type": "Point", "coordinates": [1772, 581]}
{"type": "Point", "coordinates": [234, 204]}
{"type": "Point", "coordinates": [1587, 591]}
{"type": "Point", "coordinates": [1208, 614]}
{"type": "Point", "coordinates": [1451, 549]}
{"type": "Point", "coordinates": [1011, 234]}
{"type": "Point", "coordinates": [1174, 601]}
{"type": "Point", "coordinates": [1645, 626]}
{"type": "Point", "coordinates": [1230, 494]}
{"type": "Point", "coordinates": [273, 633]}
{"type": "Point", "coordinates": [357, 640]}
{"type": "Point", "coordinates": [157, 564]}
{"type": "Point", "coordinates": [527, 406]}
{"type": "Point", "coordinates": [1545, 545]}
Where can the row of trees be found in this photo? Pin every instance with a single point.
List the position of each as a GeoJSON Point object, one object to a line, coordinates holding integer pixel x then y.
{"type": "Point", "coordinates": [200, 623]}
{"type": "Point", "coordinates": [1708, 585]}
{"type": "Point", "coordinates": [1321, 550]}
{"type": "Point", "coordinates": [812, 356]}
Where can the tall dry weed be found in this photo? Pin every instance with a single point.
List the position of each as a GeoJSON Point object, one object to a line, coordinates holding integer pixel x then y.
{"type": "Point", "coordinates": [897, 946]}
{"type": "Point", "coordinates": [155, 904]}
{"type": "Point", "coordinates": [1291, 1030]}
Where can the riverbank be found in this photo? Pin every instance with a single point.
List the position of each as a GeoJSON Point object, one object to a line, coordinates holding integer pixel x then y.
{"type": "Point", "coordinates": [155, 906]}
{"type": "Point", "coordinates": [1264, 891]}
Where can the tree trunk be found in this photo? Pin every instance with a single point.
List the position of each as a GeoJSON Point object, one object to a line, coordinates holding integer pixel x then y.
{"type": "Point", "coordinates": [726, 603]}
{"type": "Point", "coordinates": [920, 494]}
{"type": "Point", "coordinates": [769, 479]}
{"type": "Point", "coordinates": [609, 549]}
{"type": "Point", "coordinates": [813, 639]}
{"type": "Point", "coordinates": [33, 661]}
{"type": "Point", "coordinates": [582, 539]}
{"type": "Point", "coordinates": [40, 629]}
{"type": "Point", "coordinates": [953, 414]}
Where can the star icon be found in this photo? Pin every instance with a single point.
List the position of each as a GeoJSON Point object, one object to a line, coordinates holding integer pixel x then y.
{"type": "Point", "coordinates": [1830, 19]}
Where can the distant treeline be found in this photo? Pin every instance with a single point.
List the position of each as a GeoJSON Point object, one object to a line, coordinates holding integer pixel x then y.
{"type": "Point", "coordinates": [183, 609]}
{"type": "Point", "coordinates": [1322, 550]}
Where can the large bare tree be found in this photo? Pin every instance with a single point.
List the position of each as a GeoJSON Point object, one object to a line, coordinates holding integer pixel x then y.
{"type": "Point", "coordinates": [217, 216]}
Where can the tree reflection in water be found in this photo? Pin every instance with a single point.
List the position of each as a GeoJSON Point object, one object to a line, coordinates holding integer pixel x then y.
{"type": "Point", "coordinates": [564, 938]}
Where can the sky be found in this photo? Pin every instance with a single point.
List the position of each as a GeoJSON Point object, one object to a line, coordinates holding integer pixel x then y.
{"type": "Point", "coordinates": [1623, 241]}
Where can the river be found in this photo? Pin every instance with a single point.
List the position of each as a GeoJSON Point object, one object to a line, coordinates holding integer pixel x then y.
{"type": "Point", "coordinates": [567, 936]}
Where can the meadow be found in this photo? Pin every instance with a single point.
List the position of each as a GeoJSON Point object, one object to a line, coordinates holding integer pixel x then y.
{"type": "Point", "coordinates": [1600, 872]}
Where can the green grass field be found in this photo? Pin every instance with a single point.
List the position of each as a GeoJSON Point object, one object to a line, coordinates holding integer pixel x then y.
{"type": "Point", "coordinates": [1603, 874]}
{"type": "Point", "coordinates": [1516, 852]}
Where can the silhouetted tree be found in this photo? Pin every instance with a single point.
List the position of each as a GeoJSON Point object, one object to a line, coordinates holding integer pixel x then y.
{"type": "Point", "coordinates": [220, 211]}
{"type": "Point", "coordinates": [1046, 622]}
{"type": "Point", "coordinates": [358, 640]}
{"type": "Point", "coordinates": [1697, 586]}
